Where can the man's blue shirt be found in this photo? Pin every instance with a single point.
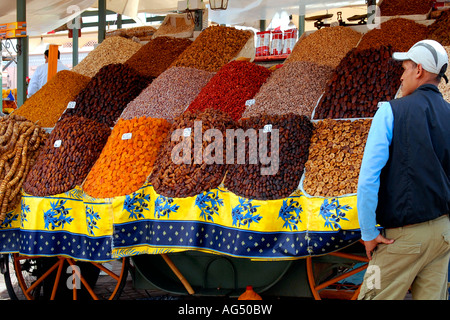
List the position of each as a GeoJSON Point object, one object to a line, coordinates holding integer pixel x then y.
{"type": "Point", "coordinates": [376, 155]}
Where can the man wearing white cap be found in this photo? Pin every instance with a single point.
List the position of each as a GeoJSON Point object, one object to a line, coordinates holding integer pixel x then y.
{"type": "Point", "coordinates": [404, 184]}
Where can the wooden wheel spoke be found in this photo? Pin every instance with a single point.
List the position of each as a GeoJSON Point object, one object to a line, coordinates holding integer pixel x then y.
{"type": "Point", "coordinates": [83, 280]}
{"type": "Point", "coordinates": [45, 275]}
{"type": "Point", "coordinates": [36, 278]}
{"type": "Point", "coordinates": [107, 271]}
{"type": "Point", "coordinates": [331, 288]}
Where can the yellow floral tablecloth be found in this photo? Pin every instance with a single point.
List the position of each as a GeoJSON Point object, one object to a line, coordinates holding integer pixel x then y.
{"type": "Point", "coordinates": [217, 221]}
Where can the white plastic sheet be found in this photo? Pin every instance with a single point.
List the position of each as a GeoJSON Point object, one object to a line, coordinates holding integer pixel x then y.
{"type": "Point", "coordinates": [44, 16]}
{"type": "Point", "coordinates": [242, 11]}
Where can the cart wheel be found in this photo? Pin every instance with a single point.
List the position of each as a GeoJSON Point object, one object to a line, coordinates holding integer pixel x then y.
{"type": "Point", "coordinates": [65, 278]}
{"type": "Point", "coordinates": [333, 276]}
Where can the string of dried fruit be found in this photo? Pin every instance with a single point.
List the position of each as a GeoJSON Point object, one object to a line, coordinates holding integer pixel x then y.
{"type": "Point", "coordinates": [108, 93]}
{"type": "Point", "coordinates": [169, 95]}
{"type": "Point", "coordinates": [127, 158]}
{"type": "Point", "coordinates": [112, 50]}
{"type": "Point", "coordinates": [399, 33]}
{"type": "Point", "coordinates": [20, 145]}
{"type": "Point", "coordinates": [189, 163]}
{"type": "Point", "coordinates": [231, 87]}
{"type": "Point", "coordinates": [284, 171]}
{"type": "Point", "coordinates": [335, 155]}
{"type": "Point", "coordinates": [48, 104]}
{"type": "Point", "coordinates": [157, 55]}
{"type": "Point", "coordinates": [362, 79]}
{"type": "Point", "coordinates": [67, 157]}
{"type": "Point", "coordinates": [213, 48]}
{"type": "Point", "coordinates": [294, 88]}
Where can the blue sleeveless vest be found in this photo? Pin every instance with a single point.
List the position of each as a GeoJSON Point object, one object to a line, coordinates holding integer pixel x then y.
{"type": "Point", "coordinates": [415, 182]}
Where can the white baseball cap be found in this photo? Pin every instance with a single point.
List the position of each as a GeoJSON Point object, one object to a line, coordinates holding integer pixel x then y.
{"type": "Point", "coordinates": [430, 54]}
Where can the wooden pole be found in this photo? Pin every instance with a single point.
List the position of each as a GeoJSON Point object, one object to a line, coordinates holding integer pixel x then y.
{"type": "Point", "coordinates": [178, 273]}
{"type": "Point", "coordinates": [52, 61]}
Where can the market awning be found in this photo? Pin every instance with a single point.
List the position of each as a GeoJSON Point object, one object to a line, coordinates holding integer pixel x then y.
{"type": "Point", "coordinates": [45, 16]}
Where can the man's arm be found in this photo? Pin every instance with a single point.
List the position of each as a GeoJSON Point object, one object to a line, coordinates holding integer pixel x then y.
{"type": "Point", "coordinates": [35, 81]}
{"type": "Point", "coordinates": [376, 155]}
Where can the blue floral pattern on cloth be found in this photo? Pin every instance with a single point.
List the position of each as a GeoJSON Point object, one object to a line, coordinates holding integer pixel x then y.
{"type": "Point", "coordinates": [209, 203]}
{"type": "Point", "coordinates": [136, 204]}
{"type": "Point", "coordinates": [164, 207]}
{"type": "Point", "coordinates": [245, 213]}
{"type": "Point", "coordinates": [332, 212]}
{"type": "Point", "coordinates": [58, 215]}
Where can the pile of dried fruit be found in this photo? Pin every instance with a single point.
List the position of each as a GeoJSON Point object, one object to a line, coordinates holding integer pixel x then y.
{"type": "Point", "coordinates": [20, 144]}
{"type": "Point", "coordinates": [294, 88]}
{"type": "Point", "coordinates": [189, 163]}
{"type": "Point", "coordinates": [157, 55]}
{"type": "Point", "coordinates": [335, 155]}
{"type": "Point", "coordinates": [48, 104]}
{"type": "Point", "coordinates": [108, 93]}
{"type": "Point", "coordinates": [405, 7]}
{"type": "Point", "coordinates": [213, 48]}
{"type": "Point", "coordinates": [401, 34]}
{"type": "Point", "coordinates": [67, 157]}
{"type": "Point", "coordinates": [362, 79]}
{"type": "Point", "coordinates": [127, 158]}
{"type": "Point", "coordinates": [438, 30]}
{"type": "Point", "coordinates": [231, 87]}
{"type": "Point", "coordinates": [277, 176]}
{"type": "Point", "coordinates": [326, 46]}
{"type": "Point", "coordinates": [112, 50]}
{"type": "Point", "coordinates": [169, 95]}
{"type": "Point", "coordinates": [443, 87]}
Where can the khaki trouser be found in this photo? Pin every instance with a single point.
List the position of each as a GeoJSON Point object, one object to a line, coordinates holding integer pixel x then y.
{"type": "Point", "coordinates": [417, 260]}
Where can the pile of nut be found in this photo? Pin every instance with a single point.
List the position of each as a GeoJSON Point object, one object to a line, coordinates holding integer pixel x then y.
{"type": "Point", "coordinates": [401, 34]}
{"type": "Point", "coordinates": [294, 88]}
{"type": "Point", "coordinates": [335, 155]}
{"type": "Point", "coordinates": [438, 30]}
{"type": "Point", "coordinates": [67, 157]}
{"type": "Point", "coordinates": [405, 7]}
{"type": "Point", "coordinates": [48, 104]}
{"type": "Point", "coordinates": [20, 143]}
{"type": "Point", "coordinates": [363, 78]}
{"type": "Point", "coordinates": [191, 162]}
{"type": "Point", "coordinates": [279, 175]}
{"type": "Point", "coordinates": [326, 46]}
{"type": "Point", "coordinates": [213, 48]}
{"type": "Point", "coordinates": [168, 95]}
{"type": "Point", "coordinates": [230, 88]}
{"type": "Point", "coordinates": [108, 94]}
{"type": "Point", "coordinates": [157, 55]}
{"type": "Point", "coordinates": [112, 50]}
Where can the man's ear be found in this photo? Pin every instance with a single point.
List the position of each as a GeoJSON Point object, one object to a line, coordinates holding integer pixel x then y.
{"type": "Point", "coordinates": [420, 71]}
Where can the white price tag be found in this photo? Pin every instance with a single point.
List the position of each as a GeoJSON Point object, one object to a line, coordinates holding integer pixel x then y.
{"type": "Point", "coordinates": [187, 132]}
{"type": "Point", "coordinates": [267, 128]}
{"type": "Point", "coordinates": [57, 144]}
{"type": "Point", "coordinates": [250, 102]}
{"type": "Point", "coordinates": [71, 105]}
{"type": "Point", "coordinates": [127, 136]}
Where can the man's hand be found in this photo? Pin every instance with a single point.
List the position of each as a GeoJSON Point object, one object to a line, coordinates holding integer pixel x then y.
{"type": "Point", "coordinates": [372, 244]}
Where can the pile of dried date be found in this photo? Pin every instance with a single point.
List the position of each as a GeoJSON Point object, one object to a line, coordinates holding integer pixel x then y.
{"type": "Point", "coordinates": [274, 174]}
{"type": "Point", "coordinates": [67, 156]}
{"type": "Point", "coordinates": [191, 162]}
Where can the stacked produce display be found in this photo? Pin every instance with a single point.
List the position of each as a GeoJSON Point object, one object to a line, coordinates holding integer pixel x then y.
{"type": "Point", "coordinates": [139, 110]}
